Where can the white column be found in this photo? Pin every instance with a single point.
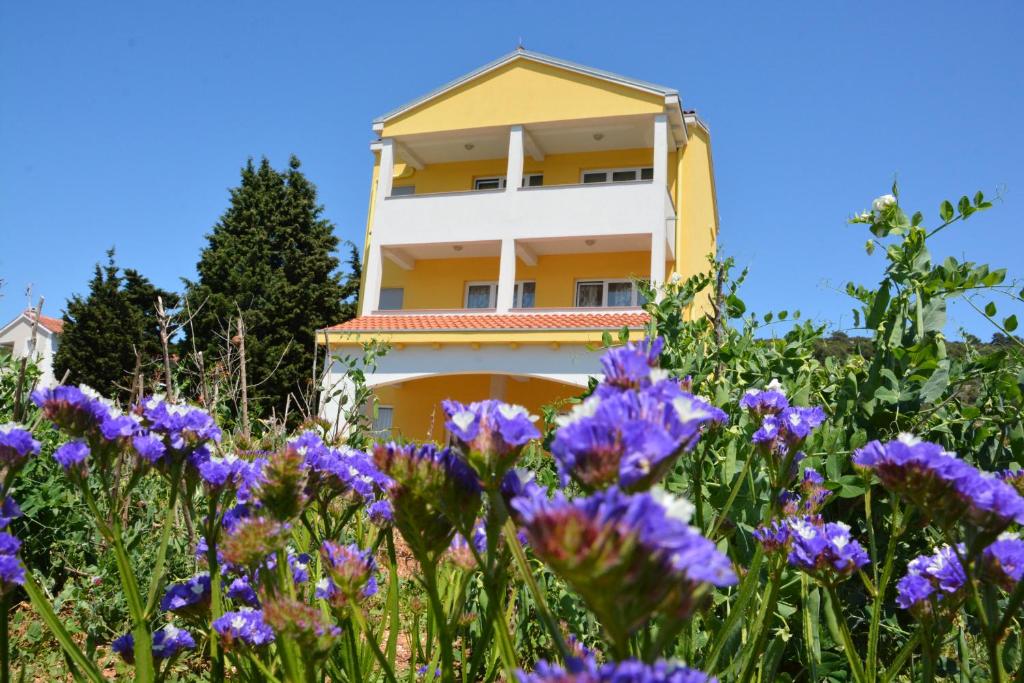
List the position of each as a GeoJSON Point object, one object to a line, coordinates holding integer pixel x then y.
{"type": "Point", "coordinates": [661, 151]}
{"type": "Point", "coordinates": [514, 174]}
{"type": "Point", "coordinates": [371, 285]}
{"type": "Point", "coordinates": [658, 254]}
{"type": "Point", "coordinates": [386, 174]}
{"type": "Point", "coordinates": [506, 276]}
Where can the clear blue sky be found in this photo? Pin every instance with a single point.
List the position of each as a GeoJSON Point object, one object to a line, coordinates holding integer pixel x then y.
{"type": "Point", "coordinates": [124, 124]}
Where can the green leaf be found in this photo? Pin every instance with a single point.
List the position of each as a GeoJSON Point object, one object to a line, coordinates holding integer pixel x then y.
{"type": "Point", "coordinates": [886, 395]}
{"type": "Point", "coordinates": [1010, 323]}
{"type": "Point", "coordinates": [936, 384]}
{"type": "Point", "coordinates": [946, 211]}
{"type": "Point", "coordinates": [979, 198]}
{"type": "Point", "coordinates": [783, 315]}
{"type": "Point", "coordinates": [990, 309]}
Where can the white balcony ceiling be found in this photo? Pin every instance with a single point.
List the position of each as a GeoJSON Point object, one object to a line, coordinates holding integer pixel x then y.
{"type": "Point", "coordinates": [568, 137]}
{"type": "Point", "coordinates": [442, 250]}
{"type": "Point", "coordinates": [578, 245]}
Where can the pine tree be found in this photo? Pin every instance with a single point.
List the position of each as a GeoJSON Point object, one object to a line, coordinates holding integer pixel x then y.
{"type": "Point", "coordinates": [350, 288]}
{"type": "Point", "coordinates": [271, 259]}
{"type": "Point", "coordinates": [103, 330]}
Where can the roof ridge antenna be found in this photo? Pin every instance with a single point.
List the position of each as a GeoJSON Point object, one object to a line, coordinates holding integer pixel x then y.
{"type": "Point", "coordinates": [519, 46]}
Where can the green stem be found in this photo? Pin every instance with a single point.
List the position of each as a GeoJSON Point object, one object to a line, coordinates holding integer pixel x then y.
{"type": "Point", "coordinates": [440, 622]}
{"type": "Point", "coordinates": [5, 652]}
{"type": "Point", "coordinates": [52, 621]}
{"type": "Point", "coordinates": [697, 475]}
{"type": "Point", "coordinates": [928, 648]}
{"type": "Point", "coordinates": [357, 616]}
{"type": "Point", "coordinates": [144, 669]}
{"type": "Point", "coordinates": [287, 649]}
{"type": "Point", "coordinates": [810, 629]}
{"type": "Point", "coordinates": [880, 589]}
{"type": "Point", "coordinates": [902, 656]}
{"type": "Point", "coordinates": [736, 486]}
{"type": "Point", "coordinates": [216, 608]}
{"type": "Point", "coordinates": [746, 591]}
{"type": "Point", "coordinates": [165, 534]}
{"type": "Point", "coordinates": [759, 629]}
{"type": "Point", "coordinates": [836, 609]}
{"type": "Point", "coordinates": [535, 592]}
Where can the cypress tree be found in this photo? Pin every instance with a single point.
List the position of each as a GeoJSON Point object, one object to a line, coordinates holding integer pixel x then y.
{"type": "Point", "coordinates": [271, 258]}
{"type": "Point", "coordinates": [104, 329]}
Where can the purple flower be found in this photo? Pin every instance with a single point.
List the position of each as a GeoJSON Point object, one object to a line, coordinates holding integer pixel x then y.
{"type": "Point", "coordinates": [629, 438]}
{"type": "Point", "coordinates": [626, 555]}
{"type": "Point", "coordinates": [587, 670]}
{"type": "Point", "coordinates": [634, 365]}
{"type": "Point", "coordinates": [189, 597]}
{"type": "Point", "coordinates": [149, 447]}
{"type": "Point", "coordinates": [72, 455]}
{"type": "Point", "coordinates": [461, 553]}
{"type": "Point", "coordinates": [774, 537]}
{"type": "Point", "coordinates": [9, 510]}
{"type": "Point", "coordinates": [299, 564]}
{"type": "Point", "coordinates": [16, 445]}
{"type": "Point", "coordinates": [344, 471]}
{"type": "Point", "coordinates": [12, 573]}
{"type": "Point", "coordinates": [1003, 561]}
{"type": "Point", "coordinates": [241, 589]}
{"type": "Point", "coordinates": [1014, 478]}
{"type": "Point", "coordinates": [941, 485]}
{"type": "Point", "coordinates": [782, 432]}
{"type": "Point", "coordinates": [433, 491]}
{"type": "Point", "coordinates": [183, 430]}
{"type": "Point", "coordinates": [492, 433]}
{"type": "Point", "coordinates": [79, 411]}
{"type": "Point", "coordinates": [932, 582]}
{"type": "Point", "coordinates": [812, 497]}
{"type": "Point", "coordinates": [381, 513]}
{"type": "Point", "coordinates": [351, 574]}
{"type": "Point", "coordinates": [824, 550]}
{"type": "Point", "coordinates": [244, 627]}
{"type": "Point", "coordinates": [768, 401]}
{"type": "Point", "coordinates": [167, 642]}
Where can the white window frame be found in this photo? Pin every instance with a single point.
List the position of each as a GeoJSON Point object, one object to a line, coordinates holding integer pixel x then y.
{"type": "Point", "coordinates": [380, 298]}
{"type": "Point", "coordinates": [635, 299]}
{"type": "Point", "coordinates": [609, 171]}
{"type": "Point", "coordinates": [375, 418]}
{"type": "Point", "coordinates": [502, 181]}
{"type": "Point", "coordinates": [492, 299]}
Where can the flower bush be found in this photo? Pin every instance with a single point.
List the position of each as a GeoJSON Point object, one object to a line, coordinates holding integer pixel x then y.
{"type": "Point", "coordinates": [715, 508]}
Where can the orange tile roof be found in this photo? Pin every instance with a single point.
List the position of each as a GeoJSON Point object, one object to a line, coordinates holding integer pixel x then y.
{"type": "Point", "coordinates": [458, 322]}
{"type": "Point", "coordinates": [55, 325]}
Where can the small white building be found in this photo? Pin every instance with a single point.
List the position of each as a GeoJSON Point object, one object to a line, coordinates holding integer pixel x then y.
{"type": "Point", "coordinates": [16, 339]}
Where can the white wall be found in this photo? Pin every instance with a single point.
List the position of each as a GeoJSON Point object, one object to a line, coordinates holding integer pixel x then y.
{"type": "Point", "coordinates": [19, 334]}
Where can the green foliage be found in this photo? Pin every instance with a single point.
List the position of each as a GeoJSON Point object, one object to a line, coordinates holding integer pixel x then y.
{"type": "Point", "coordinates": [269, 259]}
{"type": "Point", "coordinates": [104, 330]}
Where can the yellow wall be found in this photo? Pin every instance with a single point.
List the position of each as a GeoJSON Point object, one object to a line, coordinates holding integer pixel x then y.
{"type": "Point", "coordinates": [558, 169]}
{"type": "Point", "coordinates": [697, 215]}
{"type": "Point", "coordinates": [441, 283]}
{"type": "Point", "coordinates": [417, 404]}
{"type": "Point", "coordinates": [523, 92]}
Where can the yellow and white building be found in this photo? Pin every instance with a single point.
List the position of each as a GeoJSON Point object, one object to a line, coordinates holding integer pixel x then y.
{"type": "Point", "coordinates": [511, 212]}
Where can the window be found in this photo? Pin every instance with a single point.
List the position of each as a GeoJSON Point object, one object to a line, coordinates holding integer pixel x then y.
{"type": "Point", "coordinates": [485, 294]}
{"type": "Point", "coordinates": [617, 175]}
{"type": "Point", "coordinates": [403, 190]}
{"type": "Point", "coordinates": [610, 293]}
{"type": "Point", "coordinates": [498, 182]}
{"type": "Point", "coordinates": [383, 420]}
{"type": "Point", "coordinates": [391, 299]}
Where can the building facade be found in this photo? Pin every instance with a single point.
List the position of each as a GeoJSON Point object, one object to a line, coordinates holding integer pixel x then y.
{"type": "Point", "coordinates": [512, 212]}
{"type": "Point", "coordinates": [16, 339]}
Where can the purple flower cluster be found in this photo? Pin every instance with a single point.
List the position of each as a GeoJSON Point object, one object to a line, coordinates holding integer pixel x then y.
{"type": "Point", "coordinates": [229, 473]}
{"type": "Point", "coordinates": [461, 553]}
{"type": "Point", "coordinates": [627, 555]}
{"type": "Point", "coordinates": [432, 492]}
{"type": "Point", "coordinates": [933, 583]}
{"type": "Point", "coordinates": [1014, 478]}
{"type": "Point", "coordinates": [244, 627]}
{"type": "Point", "coordinates": [811, 498]}
{"type": "Point", "coordinates": [822, 549]}
{"type": "Point", "coordinates": [167, 642]}
{"type": "Point", "coordinates": [12, 573]}
{"type": "Point", "coordinates": [630, 432]}
{"type": "Point", "coordinates": [83, 413]}
{"type": "Point", "coordinates": [175, 431]}
{"type": "Point", "coordinates": [9, 510]}
{"type": "Point", "coordinates": [72, 456]}
{"type": "Point", "coordinates": [942, 486]}
{"type": "Point", "coordinates": [345, 471]}
{"type": "Point", "coordinates": [16, 446]}
{"type": "Point", "coordinates": [786, 430]}
{"type": "Point", "coordinates": [771, 400]}
{"type": "Point", "coordinates": [1003, 561]}
{"type": "Point", "coordinates": [492, 433]}
{"type": "Point", "coordinates": [351, 574]}
{"type": "Point", "coordinates": [587, 670]}
{"type": "Point", "coordinates": [188, 598]}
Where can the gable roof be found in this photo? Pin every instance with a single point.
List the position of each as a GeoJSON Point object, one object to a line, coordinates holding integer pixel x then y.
{"type": "Point", "coordinates": [46, 323]}
{"type": "Point", "coordinates": [534, 57]}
